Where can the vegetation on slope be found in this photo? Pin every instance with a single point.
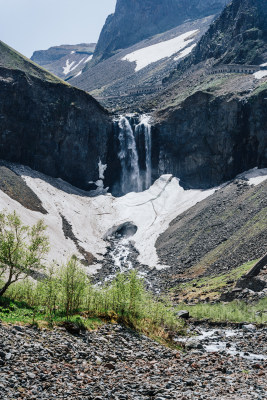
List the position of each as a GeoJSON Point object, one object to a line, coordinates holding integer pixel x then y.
{"type": "Point", "coordinates": [10, 58]}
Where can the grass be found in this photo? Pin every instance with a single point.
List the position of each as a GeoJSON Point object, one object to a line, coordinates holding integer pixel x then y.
{"type": "Point", "coordinates": [235, 311]}
{"type": "Point", "coordinates": [11, 58]}
{"type": "Point", "coordinates": [15, 312]}
{"type": "Point", "coordinates": [211, 286]}
{"type": "Point", "coordinates": [68, 296]}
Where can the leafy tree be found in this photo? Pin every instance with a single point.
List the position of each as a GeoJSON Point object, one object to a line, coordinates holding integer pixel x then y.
{"type": "Point", "coordinates": [73, 284]}
{"type": "Point", "coordinates": [22, 249]}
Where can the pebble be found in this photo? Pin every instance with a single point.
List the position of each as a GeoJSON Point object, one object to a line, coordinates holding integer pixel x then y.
{"type": "Point", "coordinates": [117, 363]}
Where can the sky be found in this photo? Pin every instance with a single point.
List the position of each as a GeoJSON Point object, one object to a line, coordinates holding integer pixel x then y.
{"type": "Point", "coordinates": [29, 25]}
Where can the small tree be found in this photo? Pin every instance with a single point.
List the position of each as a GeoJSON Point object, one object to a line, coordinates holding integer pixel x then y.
{"type": "Point", "coordinates": [22, 249]}
{"type": "Point", "coordinates": [73, 284]}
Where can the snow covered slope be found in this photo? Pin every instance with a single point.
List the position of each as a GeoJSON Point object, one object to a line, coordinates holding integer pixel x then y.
{"type": "Point", "coordinates": [143, 64]}
{"type": "Point", "coordinates": [65, 61]}
{"type": "Point", "coordinates": [156, 52]}
{"type": "Point", "coordinates": [92, 218]}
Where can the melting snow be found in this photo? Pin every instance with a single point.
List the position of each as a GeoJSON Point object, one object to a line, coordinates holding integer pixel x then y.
{"type": "Point", "coordinates": [156, 52]}
{"type": "Point", "coordinates": [260, 74]}
{"type": "Point", "coordinates": [91, 217]}
{"type": "Point", "coordinates": [88, 59]}
{"type": "Point", "coordinates": [67, 68]}
{"type": "Point", "coordinates": [255, 176]}
{"type": "Point", "coordinates": [71, 66]}
{"type": "Point", "coordinates": [79, 73]}
{"type": "Point", "coordinates": [185, 52]}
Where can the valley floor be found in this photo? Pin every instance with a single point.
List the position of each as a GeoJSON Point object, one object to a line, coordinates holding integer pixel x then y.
{"type": "Point", "coordinates": [117, 363]}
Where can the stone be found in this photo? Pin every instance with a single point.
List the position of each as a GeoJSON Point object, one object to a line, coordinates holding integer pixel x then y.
{"type": "Point", "coordinates": [184, 314]}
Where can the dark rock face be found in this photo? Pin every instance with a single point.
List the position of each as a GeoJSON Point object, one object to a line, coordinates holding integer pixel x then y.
{"type": "Point", "coordinates": [239, 35]}
{"type": "Point", "coordinates": [135, 20]}
{"type": "Point", "coordinates": [209, 139]}
{"type": "Point", "coordinates": [50, 126]}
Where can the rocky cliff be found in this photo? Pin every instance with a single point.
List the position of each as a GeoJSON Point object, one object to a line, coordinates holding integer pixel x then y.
{"type": "Point", "coordinates": [214, 134]}
{"type": "Point", "coordinates": [238, 36]}
{"type": "Point", "coordinates": [47, 124]}
{"type": "Point", "coordinates": [136, 20]}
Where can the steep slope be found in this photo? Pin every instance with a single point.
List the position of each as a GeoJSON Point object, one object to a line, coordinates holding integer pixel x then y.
{"type": "Point", "coordinates": [47, 124]}
{"type": "Point", "coordinates": [238, 36]}
{"type": "Point", "coordinates": [143, 65]}
{"type": "Point", "coordinates": [136, 20]}
{"type": "Point", "coordinates": [66, 60]}
{"type": "Point", "coordinates": [211, 123]}
{"type": "Point", "coordinates": [218, 234]}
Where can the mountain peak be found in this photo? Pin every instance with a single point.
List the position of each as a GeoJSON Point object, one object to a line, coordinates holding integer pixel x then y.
{"type": "Point", "coordinates": [136, 20]}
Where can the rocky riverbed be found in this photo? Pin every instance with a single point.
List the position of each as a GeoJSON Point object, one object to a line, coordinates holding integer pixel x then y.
{"type": "Point", "coordinates": [117, 363]}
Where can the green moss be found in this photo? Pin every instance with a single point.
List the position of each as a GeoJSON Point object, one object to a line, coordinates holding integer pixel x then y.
{"type": "Point", "coordinates": [236, 311]}
{"type": "Point", "coordinates": [212, 286]}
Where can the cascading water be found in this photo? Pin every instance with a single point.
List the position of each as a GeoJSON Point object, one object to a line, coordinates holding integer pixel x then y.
{"type": "Point", "coordinates": [146, 127]}
{"type": "Point", "coordinates": [135, 177]}
{"type": "Point", "coordinates": [130, 179]}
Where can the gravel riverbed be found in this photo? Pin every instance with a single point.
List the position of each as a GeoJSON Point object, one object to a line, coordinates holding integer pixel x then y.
{"type": "Point", "coordinates": [117, 363]}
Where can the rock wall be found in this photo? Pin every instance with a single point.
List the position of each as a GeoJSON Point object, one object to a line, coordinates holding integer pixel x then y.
{"type": "Point", "coordinates": [52, 127]}
{"type": "Point", "coordinates": [238, 36]}
{"type": "Point", "coordinates": [209, 139]}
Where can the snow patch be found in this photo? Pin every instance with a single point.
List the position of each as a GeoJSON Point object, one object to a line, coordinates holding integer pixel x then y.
{"type": "Point", "coordinates": [72, 52]}
{"type": "Point", "coordinates": [71, 66]}
{"type": "Point", "coordinates": [260, 74]}
{"type": "Point", "coordinates": [102, 168]}
{"type": "Point", "coordinates": [67, 68]}
{"type": "Point", "coordinates": [156, 52]}
{"type": "Point", "coordinates": [254, 176]}
{"type": "Point", "coordinates": [264, 65]}
{"type": "Point", "coordinates": [79, 73]}
{"type": "Point", "coordinates": [88, 59]}
{"type": "Point", "coordinates": [185, 52]}
{"type": "Point", "coordinates": [91, 218]}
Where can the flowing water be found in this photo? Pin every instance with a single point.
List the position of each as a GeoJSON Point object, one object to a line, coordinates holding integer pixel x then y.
{"type": "Point", "coordinates": [134, 177]}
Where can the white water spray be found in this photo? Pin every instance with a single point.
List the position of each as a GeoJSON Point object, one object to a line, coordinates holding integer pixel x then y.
{"type": "Point", "coordinates": [145, 125]}
{"type": "Point", "coordinates": [132, 178]}
{"type": "Point", "coordinates": [129, 158]}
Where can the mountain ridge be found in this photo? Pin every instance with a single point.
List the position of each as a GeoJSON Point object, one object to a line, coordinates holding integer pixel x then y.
{"type": "Point", "coordinates": [136, 20]}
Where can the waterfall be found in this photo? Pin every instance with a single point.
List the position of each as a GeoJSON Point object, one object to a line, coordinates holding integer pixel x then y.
{"type": "Point", "coordinates": [130, 180]}
{"type": "Point", "coordinates": [148, 146]}
{"type": "Point", "coordinates": [135, 174]}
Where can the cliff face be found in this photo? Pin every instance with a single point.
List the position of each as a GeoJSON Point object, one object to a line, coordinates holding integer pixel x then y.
{"type": "Point", "coordinates": [209, 139]}
{"type": "Point", "coordinates": [239, 35]}
{"type": "Point", "coordinates": [135, 20]}
{"type": "Point", "coordinates": [49, 125]}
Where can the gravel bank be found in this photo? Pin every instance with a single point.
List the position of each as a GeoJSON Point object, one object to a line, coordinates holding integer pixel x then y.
{"type": "Point", "coordinates": [116, 363]}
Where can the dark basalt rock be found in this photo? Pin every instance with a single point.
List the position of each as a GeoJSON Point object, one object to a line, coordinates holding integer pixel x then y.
{"type": "Point", "coordinates": [208, 139]}
{"type": "Point", "coordinates": [238, 36]}
{"type": "Point", "coordinates": [136, 20]}
{"type": "Point", "coordinates": [48, 125]}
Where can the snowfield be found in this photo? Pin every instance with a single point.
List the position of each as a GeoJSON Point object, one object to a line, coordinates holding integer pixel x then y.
{"type": "Point", "coordinates": [260, 74]}
{"type": "Point", "coordinates": [92, 218]}
{"type": "Point", "coordinates": [156, 52]}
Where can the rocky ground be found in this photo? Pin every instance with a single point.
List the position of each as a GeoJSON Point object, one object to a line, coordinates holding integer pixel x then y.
{"type": "Point", "coordinates": [116, 363]}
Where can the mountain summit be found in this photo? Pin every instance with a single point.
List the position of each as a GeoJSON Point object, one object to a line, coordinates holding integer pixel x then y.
{"type": "Point", "coordinates": [136, 20]}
